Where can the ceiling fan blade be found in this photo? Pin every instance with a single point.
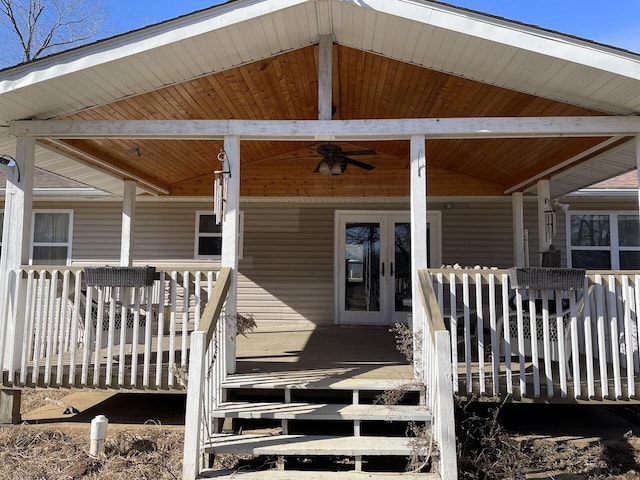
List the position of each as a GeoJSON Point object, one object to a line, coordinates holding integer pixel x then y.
{"type": "Point", "coordinates": [359, 164]}
{"type": "Point", "coordinates": [361, 152]}
{"type": "Point", "coordinates": [318, 166]}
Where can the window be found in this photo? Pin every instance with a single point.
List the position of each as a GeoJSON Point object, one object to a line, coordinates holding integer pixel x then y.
{"type": "Point", "coordinates": [51, 237]}
{"type": "Point", "coordinates": [208, 243]}
{"type": "Point", "coordinates": [604, 240]}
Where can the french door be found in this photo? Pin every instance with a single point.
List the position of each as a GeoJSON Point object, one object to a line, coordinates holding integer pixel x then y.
{"type": "Point", "coordinates": [373, 265]}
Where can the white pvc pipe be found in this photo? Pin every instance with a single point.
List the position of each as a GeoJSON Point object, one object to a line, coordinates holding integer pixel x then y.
{"type": "Point", "coordinates": [98, 434]}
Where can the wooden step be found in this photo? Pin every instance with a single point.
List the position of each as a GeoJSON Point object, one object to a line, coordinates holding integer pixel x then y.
{"type": "Point", "coordinates": [310, 445]}
{"type": "Point", "coordinates": [313, 475]}
{"type": "Point", "coordinates": [321, 411]}
{"type": "Point", "coordinates": [316, 380]}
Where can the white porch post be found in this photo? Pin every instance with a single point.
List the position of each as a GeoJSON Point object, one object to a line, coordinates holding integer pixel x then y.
{"type": "Point", "coordinates": [16, 238]}
{"type": "Point", "coordinates": [325, 95]}
{"type": "Point", "coordinates": [418, 166]}
{"type": "Point", "coordinates": [517, 203]}
{"type": "Point", "coordinates": [544, 233]}
{"type": "Point", "coordinates": [128, 222]}
{"type": "Point", "coordinates": [230, 233]}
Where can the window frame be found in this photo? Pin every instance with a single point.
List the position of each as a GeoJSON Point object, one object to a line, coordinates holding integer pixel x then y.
{"type": "Point", "coordinates": [614, 240]}
{"type": "Point", "coordinates": [197, 235]}
{"type": "Point", "coordinates": [68, 244]}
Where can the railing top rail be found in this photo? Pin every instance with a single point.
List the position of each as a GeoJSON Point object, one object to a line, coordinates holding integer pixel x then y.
{"type": "Point", "coordinates": [168, 266]}
{"type": "Point", "coordinates": [214, 306]}
{"type": "Point", "coordinates": [430, 304]}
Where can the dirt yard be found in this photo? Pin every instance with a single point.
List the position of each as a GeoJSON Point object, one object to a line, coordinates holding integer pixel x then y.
{"type": "Point", "coordinates": [145, 435]}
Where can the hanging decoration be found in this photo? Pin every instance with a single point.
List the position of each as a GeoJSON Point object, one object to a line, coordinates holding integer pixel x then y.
{"type": "Point", "coordinates": [220, 178]}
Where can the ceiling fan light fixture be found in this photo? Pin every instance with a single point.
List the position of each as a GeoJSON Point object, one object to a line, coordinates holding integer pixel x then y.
{"type": "Point", "coordinates": [336, 169]}
{"type": "Point", "coordinates": [324, 168]}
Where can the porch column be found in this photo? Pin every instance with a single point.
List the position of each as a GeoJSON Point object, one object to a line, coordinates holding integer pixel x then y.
{"type": "Point", "coordinates": [230, 235]}
{"type": "Point", "coordinates": [517, 204]}
{"type": "Point", "coordinates": [325, 95]}
{"type": "Point", "coordinates": [419, 245]}
{"type": "Point", "coordinates": [544, 227]}
{"type": "Point", "coordinates": [128, 222]}
{"type": "Point", "coordinates": [16, 238]}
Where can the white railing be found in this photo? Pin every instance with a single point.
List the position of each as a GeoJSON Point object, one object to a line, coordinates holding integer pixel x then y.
{"type": "Point", "coordinates": [206, 372]}
{"type": "Point", "coordinates": [436, 373]}
{"type": "Point", "coordinates": [556, 344]}
{"type": "Point", "coordinates": [59, 332]}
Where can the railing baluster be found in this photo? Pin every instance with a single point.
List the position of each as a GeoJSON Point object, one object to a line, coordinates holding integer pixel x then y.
{"type": "Point", "coordinates": [546, 343]}
{"type": "Point", "coordinates": [535, 358]}
{"type": "Point", "coordinates": [495, 347]}
{"type": "Point", "coordinates": [172, 327]}
{"type": "Point", "coordinates": [453, 327]}
{"type": "Point", "coordinates": [602, 348]}
{"type": "Point", "coordinates": [561, 338]}
{"type": "Point", "coordinates": [135, 334]}
{"type": "Point", "coordinates": [29, 326]}
{"type": "Point", "coordinates": [74, 328]}
{"type": "Point", "coordinates": [185, 319]}
{"type": "Point", "coordinates": [161, 321]}
{"type": "Point", "coordinates": [100, 332]}
{"type": "Point", "coordinates": [589, 312]}
{"type": "Point", "coordinates": [63, 344]}
{"type": "Point", "coordinates": [612, 305]}
{"type": "Point", "coordinates": [575, 346]}
{"type": "Point", "coordinates": [506, 331]}
{"type": "Point", "coordinates": [520, 328]}
{"type": "Point", "coordinates": [628, 334]}
{"type": "Point", "coordinates": [467, 331]}
{"type": "Point", "coordinates": [50, 332]}
{"type": "Point", "coordinates": [480, 333]}
{"type": "Point", "coordinates": [636, 321]}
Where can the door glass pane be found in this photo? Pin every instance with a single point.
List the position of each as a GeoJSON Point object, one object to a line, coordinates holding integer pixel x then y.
{"type": "Point", "coordinates": [402, 267]}
{"type": "Point", "coordinates": [590, 230]}
{"type": "Point", "coordinates": [362, 267]}
{"type": "Point", "coordinates": [628, 230]}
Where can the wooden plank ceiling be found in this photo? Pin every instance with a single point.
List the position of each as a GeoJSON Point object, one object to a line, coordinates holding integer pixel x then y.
{"type": "Point", "coordinates": [365, 86]}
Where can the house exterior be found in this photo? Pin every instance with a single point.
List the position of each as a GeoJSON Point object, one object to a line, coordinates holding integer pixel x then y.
{"type": "Point", "coordinates": [358, 148]}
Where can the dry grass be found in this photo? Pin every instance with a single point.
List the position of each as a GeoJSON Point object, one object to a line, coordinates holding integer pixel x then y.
{"type": "Point", "coordinates": [30, 453]}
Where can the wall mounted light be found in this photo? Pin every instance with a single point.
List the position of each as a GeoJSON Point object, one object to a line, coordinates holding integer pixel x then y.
{"type": "Point", "coordinates": [9, 161]}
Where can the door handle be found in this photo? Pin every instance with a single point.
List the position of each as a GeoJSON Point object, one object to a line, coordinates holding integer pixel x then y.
{"type": "Point", "coordinates": [383, 269]}
{"type": "Point", "coordinates": [391, 272]}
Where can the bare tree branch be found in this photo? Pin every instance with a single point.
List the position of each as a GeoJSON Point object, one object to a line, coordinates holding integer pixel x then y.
{"type": "Point", "coordinates": [43, 27]}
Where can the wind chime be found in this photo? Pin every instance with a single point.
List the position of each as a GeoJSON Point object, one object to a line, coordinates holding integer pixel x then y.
{"type": "Point", "coordinates": [220, 179]}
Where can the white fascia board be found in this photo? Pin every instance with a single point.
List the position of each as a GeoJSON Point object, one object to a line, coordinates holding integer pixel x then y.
{"type": "Point", "coordinates": [519, 36]}
{"type": "Point", "coordinates": [333, 130]}
{"type": "Point", "coordinates": [139, 41]}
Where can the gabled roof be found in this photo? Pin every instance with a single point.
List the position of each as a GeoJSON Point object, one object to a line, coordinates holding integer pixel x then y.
{"type": "Point", "coordinates": [256, 59]}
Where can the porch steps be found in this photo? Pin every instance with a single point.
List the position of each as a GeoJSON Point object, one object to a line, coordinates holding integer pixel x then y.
{"type": "Point", "coordinates": [321, 411]}
{"type": "Point", "coordinates": [312, 445]}
{"type": "Point", "coordinates": [317, 421]}
{"type": "Point", "coordinates": [314, 475]}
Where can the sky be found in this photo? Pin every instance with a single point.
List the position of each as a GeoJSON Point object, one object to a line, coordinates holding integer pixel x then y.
{"type": "Point", "coordinates": [612, 22]}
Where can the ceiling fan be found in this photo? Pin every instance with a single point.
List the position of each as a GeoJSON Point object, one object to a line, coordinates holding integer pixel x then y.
{"type": "Point", "coordinates": [335, 160]}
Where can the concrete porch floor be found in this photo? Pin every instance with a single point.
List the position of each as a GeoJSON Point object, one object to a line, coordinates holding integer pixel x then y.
{"type": "Point", "coordinates": [364, 352]}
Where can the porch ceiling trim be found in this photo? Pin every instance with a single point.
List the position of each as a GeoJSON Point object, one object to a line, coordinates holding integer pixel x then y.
{"type": "Point", "coordinates": [332, 130]}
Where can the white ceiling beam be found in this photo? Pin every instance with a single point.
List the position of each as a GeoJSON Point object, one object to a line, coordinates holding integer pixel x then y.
{"type": "Point", "coordinates": [330, 130]}
{"type": "Point", "coordinates": [105, 167]}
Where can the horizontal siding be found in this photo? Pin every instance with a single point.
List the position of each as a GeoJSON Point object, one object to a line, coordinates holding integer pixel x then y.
{"type": "Point", "coordinates": [286, 273]}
